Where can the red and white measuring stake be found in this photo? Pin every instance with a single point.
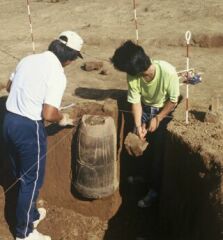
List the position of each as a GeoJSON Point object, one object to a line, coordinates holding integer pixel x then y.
{"type": "Point", "coordinates": [31, 27]}
{"type": "Point", "coordinates": [136, 23]}
{"type": "Point", "coordinates": [188, 37]}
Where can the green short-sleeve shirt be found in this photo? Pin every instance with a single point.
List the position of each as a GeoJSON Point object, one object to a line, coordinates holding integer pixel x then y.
{"type": "Point", "coordinates": [164, 86]}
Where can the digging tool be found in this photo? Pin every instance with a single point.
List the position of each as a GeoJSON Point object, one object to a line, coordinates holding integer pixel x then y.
{"type": "Point", "coordinates": [67, 106]}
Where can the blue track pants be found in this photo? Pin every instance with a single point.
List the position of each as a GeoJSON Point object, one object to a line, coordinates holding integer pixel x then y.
{"type": "Point", "coordinates": [26, 143]}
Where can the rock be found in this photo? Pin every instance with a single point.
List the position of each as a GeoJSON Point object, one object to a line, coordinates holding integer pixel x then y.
{"type": "Point", "coordinates": [213, 117]}
{"type": "Point", "coordinates": [91, 66]}
{"type": "Point", "coordinates": [134, 145]}
{"type": "Point", "coordinates": [104, 72]}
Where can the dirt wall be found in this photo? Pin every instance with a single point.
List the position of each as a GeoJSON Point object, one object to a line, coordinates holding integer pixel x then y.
{"type": "Point", "coordinates": [191, 204]}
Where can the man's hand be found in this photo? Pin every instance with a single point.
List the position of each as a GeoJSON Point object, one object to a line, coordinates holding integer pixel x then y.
{"type": "Point", "coordinates": [154, 124]}
{"type": "Point", "coordinates": [8, 86]}
{"type": "Point", "coordinates": [141, 132]}
{"type": "Point", "coordinates": [66, 120]}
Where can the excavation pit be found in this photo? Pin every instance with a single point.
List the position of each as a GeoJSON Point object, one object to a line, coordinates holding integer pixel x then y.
{"type": "Point", "coordinates": [191, 203]}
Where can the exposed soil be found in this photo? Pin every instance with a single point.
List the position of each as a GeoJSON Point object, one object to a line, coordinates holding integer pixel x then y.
{"type": "Point", "coordinates": [195, 149]}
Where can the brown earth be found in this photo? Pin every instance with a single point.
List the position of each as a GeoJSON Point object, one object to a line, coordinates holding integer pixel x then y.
{"type": "Point", "coordinates": [104, 25]}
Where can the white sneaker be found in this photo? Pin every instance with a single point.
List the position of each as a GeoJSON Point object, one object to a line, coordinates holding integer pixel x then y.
{"type": "Point", "coordinates": [35, 235]}
{"type": "Point", "coordinates": [42, 215]}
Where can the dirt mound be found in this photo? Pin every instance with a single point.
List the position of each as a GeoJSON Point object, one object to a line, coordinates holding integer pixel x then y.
{"type": "Point", "coordinates": [208, 41]}
{"type": "Point", "coordinates": [75, 226]}
{"type": "Point", "coordinates": [197, 40]}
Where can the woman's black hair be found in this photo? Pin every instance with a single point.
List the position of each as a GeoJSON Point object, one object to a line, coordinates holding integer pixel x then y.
{"type": "Point", "coordinates": [63, 52]}
{"type": "Point", "coordinates": [130, 58]}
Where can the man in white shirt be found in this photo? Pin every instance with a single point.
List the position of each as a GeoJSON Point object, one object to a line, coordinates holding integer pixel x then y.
{"type": "Point", "coordinates": [35, 92]}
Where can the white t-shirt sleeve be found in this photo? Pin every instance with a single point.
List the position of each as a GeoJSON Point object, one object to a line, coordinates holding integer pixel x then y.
{"type": "Point", "coordinates": [11, 76]}
{"type": "Point", "coordinates": [55, 90]}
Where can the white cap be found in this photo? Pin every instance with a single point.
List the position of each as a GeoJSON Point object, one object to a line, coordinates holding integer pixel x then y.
{"type": "Point", "coordinates": [74, 41]}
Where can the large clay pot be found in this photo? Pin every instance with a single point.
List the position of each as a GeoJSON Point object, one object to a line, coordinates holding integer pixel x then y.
{"type": "Point", "coordinates": [96, 164]}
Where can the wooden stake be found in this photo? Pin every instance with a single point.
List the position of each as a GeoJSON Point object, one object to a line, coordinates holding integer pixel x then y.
{"type": "Point", "coordinates": [30, 24]}
{"type": "Point", "coordinates": [188, 37]}
{"type": "Point", "coordinates": [136, 23]}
